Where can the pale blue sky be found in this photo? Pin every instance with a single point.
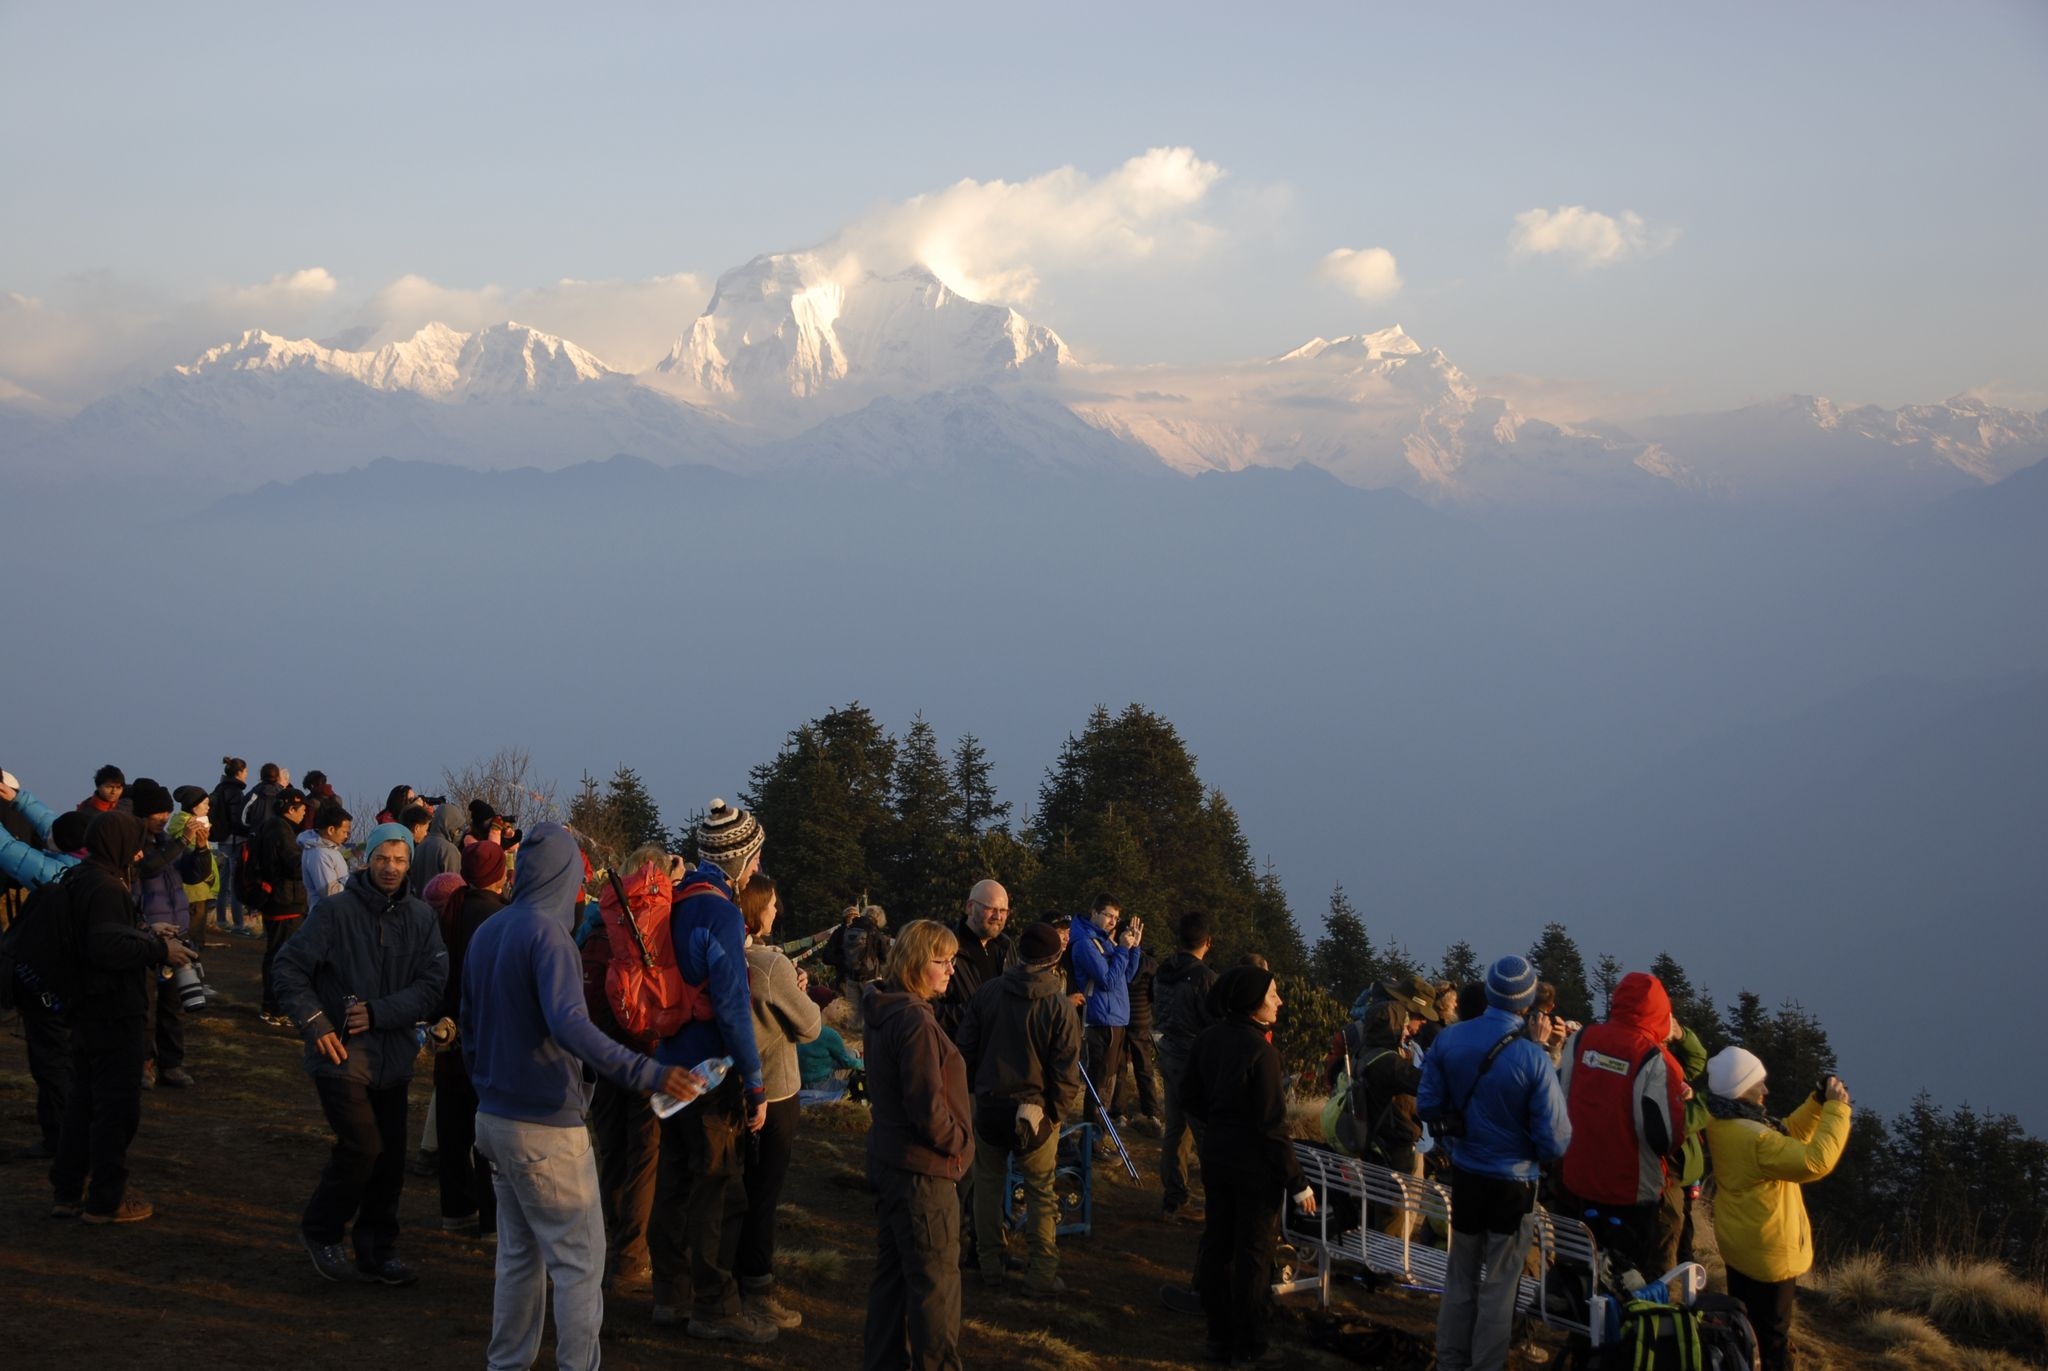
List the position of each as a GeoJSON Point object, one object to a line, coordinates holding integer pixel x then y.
{"type": "Point", "coordinates": [1855, 190]}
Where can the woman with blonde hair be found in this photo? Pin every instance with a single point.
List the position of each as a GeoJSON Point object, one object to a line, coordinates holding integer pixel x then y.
{"type": "Point", "coordinates": [919, 1146]}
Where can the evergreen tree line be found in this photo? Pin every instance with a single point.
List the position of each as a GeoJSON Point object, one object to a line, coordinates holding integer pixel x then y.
{"type": "Point", "coordinates": [854, 813]}
{"type": "Point", "coordinates": [1928, 1182]}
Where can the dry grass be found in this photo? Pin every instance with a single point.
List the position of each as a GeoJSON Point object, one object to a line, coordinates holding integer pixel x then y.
{"type": "Point", "coordinates": [1910, 1338]}
{"type": "Point", "coordinates": [1972, 1296]}
{"type": "Point", "coordinates": [1861, 1283]}
{"type": "Point", "coordinates": [840, 1116]}
{"type": "Point", "coordinates": [1987, 1359]}
{"type": "Point", "coordinates": [1035, 1348]}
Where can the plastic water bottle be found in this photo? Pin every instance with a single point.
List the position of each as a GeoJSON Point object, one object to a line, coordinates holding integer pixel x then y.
{"type": "Point", "coordinates": [712, 1069]}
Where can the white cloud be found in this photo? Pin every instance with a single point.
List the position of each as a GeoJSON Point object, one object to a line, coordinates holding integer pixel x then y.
{"type": "Point", "coordinates": [292, 291]}
{"type": "Point", "coordinates": [1586, 237]}
{"type": "Point", "coordinates": [1369, 273]}
{"type": "Point", "coordinates": [628, 324]}
{"type": "Point", "coordinates": [992, 240]}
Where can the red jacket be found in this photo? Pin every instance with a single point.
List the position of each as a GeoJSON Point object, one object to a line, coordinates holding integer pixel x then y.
{"type": "Point", "coordinates": [1626, 1097]}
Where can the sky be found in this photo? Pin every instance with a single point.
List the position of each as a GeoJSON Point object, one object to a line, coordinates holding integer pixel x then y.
{"type": "Point", "coordinates": [1599, 209]}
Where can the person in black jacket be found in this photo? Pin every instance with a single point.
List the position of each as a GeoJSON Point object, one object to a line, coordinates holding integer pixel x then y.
{"type": "Point", "coordinates": [224, 809]}
{"type": "Point", "coordinates": [1180, 994]}
{"type": "Point", "coordinates": [1139, 1047]}
{"type": "Point", "coordinates": [468, 1200]}
{"type": "Point", "coordinates": [1233, 1087]}
{"type": "Point", "coordinates": [366, 967]}
{"type": "Point", "coordinates": [1022, 1049]}
{"type": "Point", "coordinates": [275, 851]}
{"type": "Point", "coordinates": [117, 954]}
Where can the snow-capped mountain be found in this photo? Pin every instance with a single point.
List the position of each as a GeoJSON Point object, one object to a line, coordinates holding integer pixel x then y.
{"type": "Point", "coordinates": [788, 340]}
{"type": "Point", "coordinates": [805, 364]}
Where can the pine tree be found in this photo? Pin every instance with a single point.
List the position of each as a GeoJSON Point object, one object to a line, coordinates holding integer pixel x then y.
{"type": "Point", "coordinates": [978, 810]}
{"type": "Point", "coordinates": [1460, 965]}
{"type": "Point", "coordinates": [1607, 974]}
{"type": "Point", "coordinates": [1692, 1007]}
{"type": "Point", "coordinates": [1556, 959]}
{"type": "Point", "coordinates": [927, 854]}
{"type": "Point", "coordinates": [1279, 937]}
{"type": "Point", "coordinates": [825, 802]}
{"type": "Point", "coordinates": [1343, 960]}
{"type": "Point", "coordinates": [634, 815]}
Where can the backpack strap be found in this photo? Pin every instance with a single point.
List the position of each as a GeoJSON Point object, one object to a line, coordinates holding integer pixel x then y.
{"type": "Point", "coordinates": [632, 924]}
{"type": "Point", "coordinates": [1484, 1067]}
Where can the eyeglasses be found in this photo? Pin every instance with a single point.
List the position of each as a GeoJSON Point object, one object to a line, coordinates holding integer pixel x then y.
{"type": "Point", "coordinates": [1002, 909]}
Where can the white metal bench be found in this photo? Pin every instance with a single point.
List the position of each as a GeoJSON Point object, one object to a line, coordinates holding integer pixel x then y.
{"type": "Point", "coordinates": [1382, 1195]}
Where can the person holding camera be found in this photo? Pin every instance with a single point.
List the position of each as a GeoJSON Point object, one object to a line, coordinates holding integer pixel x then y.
{"type": "Point", "coordinates": [1106, 961]}
{"type": "Point", "coordinates": [160, 890]}
{"type": "Point", "coordinates": [1493, 1095]}
{"type": "Point", "coordinates": [1759, 1164]}
{"type": "Point", "coordinates": [119, 955]}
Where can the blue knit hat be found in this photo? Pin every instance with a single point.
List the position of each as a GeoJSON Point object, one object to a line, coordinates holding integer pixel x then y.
{"type": "Point", "coordinates": [1511, 984]}
{"type": "Point", "coordinates": [389, 833]}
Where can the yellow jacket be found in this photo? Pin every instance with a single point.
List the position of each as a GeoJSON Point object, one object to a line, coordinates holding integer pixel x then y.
{"type": "Point", "coordinates": [1759, 1215]}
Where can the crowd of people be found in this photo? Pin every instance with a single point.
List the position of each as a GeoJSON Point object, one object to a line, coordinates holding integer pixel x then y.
{"type": "Point", "coordinates": [622, 1051]}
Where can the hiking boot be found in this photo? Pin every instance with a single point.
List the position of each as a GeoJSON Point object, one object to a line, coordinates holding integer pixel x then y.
{"type": "Point", "coordinates": [993, 1280]}
{"type": "Point", "coordinates": [66, 1209]}
{"type": "Point", "coordinates": [466, 1225]}
{"type": "Point", "coordinates": [389, 1271]}
{"type": "Point", "coordinates": [665, 1316]}
{"type": "Point", "coordinates": [128, 1211]}
{"type": "Point", "coordinates": [1149, 1125]}
{"type": "Point", "coordinates": [329, 1259]}
{"type": "Point", "coordinates": [178, 1078]}
{"type": "Point", "coordinates": [423, 1163]}
{"type": "Point", "coordinates": [741, 1327]}
{"type": "Point", "coordinates": [1180, 1299]}
{"type": "Point", "coordinates": [1046, 1289]}
{"type": "Point", "coordinates": [764, 1305]}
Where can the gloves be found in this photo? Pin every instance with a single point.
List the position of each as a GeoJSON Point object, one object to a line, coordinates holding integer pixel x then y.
{"type": "Point", "coordinates": [1032, 1125]}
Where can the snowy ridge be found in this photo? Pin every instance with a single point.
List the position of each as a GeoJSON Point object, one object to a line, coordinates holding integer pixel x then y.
{"type": "Point", "coordinates": [437, 361]}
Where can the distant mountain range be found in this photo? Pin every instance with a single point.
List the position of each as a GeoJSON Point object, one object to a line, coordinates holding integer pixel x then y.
{"type": "Point", "coordinates": [801, 366]}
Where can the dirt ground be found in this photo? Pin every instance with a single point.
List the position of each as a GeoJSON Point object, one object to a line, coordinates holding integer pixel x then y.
{"type": "Point", "coordinates": [218, 1279]}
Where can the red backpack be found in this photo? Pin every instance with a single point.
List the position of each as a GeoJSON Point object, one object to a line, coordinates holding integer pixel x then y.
{"type": "Point", "coordinates": [643, 986]}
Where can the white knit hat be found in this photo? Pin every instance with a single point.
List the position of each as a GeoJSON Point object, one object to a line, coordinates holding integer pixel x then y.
{"type": "Point", "coordinates": [1733, 1071]}
{"type": "Point", "coordinates": [7, 781]}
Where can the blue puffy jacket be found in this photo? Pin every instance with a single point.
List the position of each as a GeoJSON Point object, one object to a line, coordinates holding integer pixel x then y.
{"type": "Point", "coordinates": [711, 951]}
{"type": "Point", "coordinates": [27, 864]}
{"type": "Point", "coordinates": [1103, 972]}
{"type": "Point", "coordinates": [1516, 1118]}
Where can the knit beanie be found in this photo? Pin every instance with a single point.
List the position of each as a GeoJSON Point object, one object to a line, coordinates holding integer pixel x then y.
{"type": "Point", "coordinates": [68, 833]}
{"type": "Point", "coordinates": [1732, 1071]}
{"type": "Point", "coordinates": [483, 864]}
{"type": "Point", "coordinates": [146, 797]}
{"type": "Point", "coordinates": [189, 797]}
{"type": "Point", "coordinates": [1243, 989]}
{"type": "Point", "coordinates": [8, 781]}
{"type": "Point", "coordinates": [1039, 943]}
{"type": "Point", "coordinates": [388, 833]}
{"type": "Point", "coordinates": [480, 816]}
{"type": "Point", "coordinates": [727, 836]}
{"type": "Point", "coordinates": [1511, 984]}
{"type": "Point", "coordinates": [437, 891]}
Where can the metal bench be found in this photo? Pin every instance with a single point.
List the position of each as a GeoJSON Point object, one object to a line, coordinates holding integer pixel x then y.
{"type": "Point", "coordinates": [1382, 1195]}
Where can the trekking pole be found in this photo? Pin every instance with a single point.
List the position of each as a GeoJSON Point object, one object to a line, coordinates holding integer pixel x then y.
{"type": "Point", "coordinates": [1108, 1126]}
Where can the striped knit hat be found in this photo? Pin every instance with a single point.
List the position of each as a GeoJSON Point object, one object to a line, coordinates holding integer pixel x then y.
{"type": "Point", "coordinates": [1511, 984]}
{"type": "Point", "coordinates": [728, 836]}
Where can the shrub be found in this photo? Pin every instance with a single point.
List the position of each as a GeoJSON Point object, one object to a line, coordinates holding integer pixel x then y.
{"type": "Point", "coordinates": [1861, 1282]}
{"type": "Point", "coordinates": [1973, 1295]}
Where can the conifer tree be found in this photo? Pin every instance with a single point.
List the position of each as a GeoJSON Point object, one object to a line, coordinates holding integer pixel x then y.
{"type": "Point", "coordinates": [825, 802]}
{"type": "Point", "coordinates": [1343, 960]}
{"type": "Point", "coordinates": [1556, 959]}
{"type": "Point", "coordinates": [634, 815]}
{"type": "Point", "coordinates": [979, 810]}
{"type": "Point", "coordinates": [1277, 935]}
{"type": "Point", "coordinates": [927, 854]}
{"type": "Point", "coordinates": [1607, 974]}
{"type": "Point", "coordinates": [1460, 965]}
{"type": "Point", "coordinates": [1690, 1006]}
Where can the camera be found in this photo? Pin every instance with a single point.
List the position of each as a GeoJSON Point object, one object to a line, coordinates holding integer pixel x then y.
{"type": "Point", "coordinates": [433, 801]}
{"type": "Point", "coordinates": [189, 981]}
{"type": "Point", "coordinates": [1451, 1125]}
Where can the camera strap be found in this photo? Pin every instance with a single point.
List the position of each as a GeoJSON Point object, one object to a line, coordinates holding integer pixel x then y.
{"type": "Point", "coordinates": [1484, 1067]}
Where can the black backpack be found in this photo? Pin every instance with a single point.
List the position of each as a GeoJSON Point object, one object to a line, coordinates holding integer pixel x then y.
{"type": "Point", "coordinates": [39, 962]}
{"type": "Point", "coordinates": [1712, 1335]}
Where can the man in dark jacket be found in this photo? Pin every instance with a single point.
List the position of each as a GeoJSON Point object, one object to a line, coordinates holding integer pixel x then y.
{"type": "Point", "coordinates": [1180, 994]}
{"type": "Point", "coordinates": [1138, 1043]}
{"type": "Point", "coordinates": [984, 950]}
{"type": "Point", "coordinates": [439, 851]}
{"type": "Point", "coordinates": [367, 966]}
{"type": "Point", "coordinates": [276, 857]}
{"type": "Point", "coordinates": [117, 954]}
{"type": "Point", "coordinates": [1380, 1124]}
{"type": "Point", "coordinates": [1023, 1054]}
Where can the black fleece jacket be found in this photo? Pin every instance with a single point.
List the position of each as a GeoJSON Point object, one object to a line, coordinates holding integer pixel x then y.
{"type": "Point", "coordinates": [1233, 1087]}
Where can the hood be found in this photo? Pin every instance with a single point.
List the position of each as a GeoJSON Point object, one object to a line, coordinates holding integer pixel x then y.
{"type": "Point", "coordinates": [1383, 1024]}
{"type": "Point", "coordinates": [1641, 1004]}
{"type": "Point", "coordinates": [311, 839]}
{"type": "Point", "coordinates": [550, 875]}
{"type": "Point", "coordinates": [448, 822]}
{"type": "Point", "coordinates": [1181, 966]}
{"type": "Point", "coordinates": [883, 1002]}
{"type": "Point", "coordinates": [1027, 984]}
{"type": "Point", "coordinates": [366, 890]}
{"type": "Point", "coordinates": [112, 840]}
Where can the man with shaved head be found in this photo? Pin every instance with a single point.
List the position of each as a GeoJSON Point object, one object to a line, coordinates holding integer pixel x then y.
{"type": "Point", "coordinates": [984, 950]}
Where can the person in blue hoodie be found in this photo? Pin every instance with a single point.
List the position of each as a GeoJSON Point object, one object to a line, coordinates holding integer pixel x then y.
{"type": "Point", "coordinates": [1106, 961]}
{"type": "Point", "coordinates": [700, 1196]}
{"type": "Point", "coordinates": [1493, 1091]}
{"type": "Point", "coordinates": [25, 824]}
{"type": "Point", "coordinates": [527, 1038]}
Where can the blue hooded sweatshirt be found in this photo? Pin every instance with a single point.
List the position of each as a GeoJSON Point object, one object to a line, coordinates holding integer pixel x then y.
{"type": "Point", "coordinates": [711, 951]}
{"type": "Point", "coordinates": [31, 866]}
{"type": "Point", "coordinates": [1103, 972]}
{"type": "Point", "coordinates": [526, 1032]}
{"type": "Point", "coordinates": [1516, 1119]}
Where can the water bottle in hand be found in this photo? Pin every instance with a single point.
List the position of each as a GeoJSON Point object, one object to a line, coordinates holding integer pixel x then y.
{"type": "Point", "coordinates": [712, 1069]}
